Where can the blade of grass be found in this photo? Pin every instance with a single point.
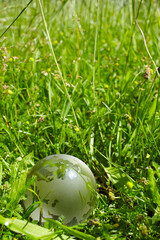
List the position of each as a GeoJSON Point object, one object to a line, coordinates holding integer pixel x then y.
{"type": "Point", "coordinates": [33, 231]}
{"type": "Point", "coordinates": [144, 39]}
{"type": "Point", "coordinates": [16, 18]}
{"type": "Point", "coordinates": [116, 166]}
{"type": "Point", "coordinates": [55, 59]}
{"type": "Point", "coordinates": [72, 231]}
{"type": "Point", "coordinates": [92, 136]}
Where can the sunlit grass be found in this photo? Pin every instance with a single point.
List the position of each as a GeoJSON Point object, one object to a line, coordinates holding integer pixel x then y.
{"type": "Point", "coordinates": [92, 102]}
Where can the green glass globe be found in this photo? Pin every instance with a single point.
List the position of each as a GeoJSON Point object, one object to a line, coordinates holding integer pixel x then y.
{"type": "Point", "coordinates": [65, 186]}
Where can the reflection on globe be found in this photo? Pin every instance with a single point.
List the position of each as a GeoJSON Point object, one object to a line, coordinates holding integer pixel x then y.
{"type": "Point", "coordinates": [65, 186]}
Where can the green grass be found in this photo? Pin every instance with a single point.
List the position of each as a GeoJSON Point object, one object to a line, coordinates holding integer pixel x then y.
{"type": "Point", "coordinates": [82, 95]}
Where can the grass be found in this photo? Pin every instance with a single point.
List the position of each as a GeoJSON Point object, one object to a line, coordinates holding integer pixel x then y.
{"type": "Point", "coordinates": [76, 86]}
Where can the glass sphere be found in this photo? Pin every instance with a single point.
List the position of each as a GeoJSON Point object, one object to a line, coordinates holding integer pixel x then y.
{"type": "Point", "coordinates": [65, 186]}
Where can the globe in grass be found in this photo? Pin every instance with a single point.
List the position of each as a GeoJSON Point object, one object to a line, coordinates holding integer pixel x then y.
{"type": "Point", "coordinates": [66, 187]}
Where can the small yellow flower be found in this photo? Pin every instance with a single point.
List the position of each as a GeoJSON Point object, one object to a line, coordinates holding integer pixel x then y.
{"type": "Point", "coordinates": [31, 59]}
{"type": "Point", "coordinates": [136, 82]}
{"type": "Point", "coordinates": [130, 185]}
{"type": "Point", "coordinates": [130, 118]}
{"type": "Point", "coordinates": [151, 71]}
{"type": "Point", "coordinates": [148, 155]}
{"type": "Point", "coordinates": [27, 122]}
{"type": "Point", "coordinates": [10, 92]}
{"type": "Point", "coordinates": [106, 86]}
{"type": "Point", "coordinates": [10, 59]}
{"type": "Point", "coordinates": [116, 64]}
{"type": "Point", "coordinates": [61, 33]}
{"type": "Point", "coordinates": [111, 196]}
{"type": "Point", "coordinates": [76, 129]}
{"type": "Point", "coordinates": [55, 42]}
{"type": "Point", "coordinates": [49, 70]}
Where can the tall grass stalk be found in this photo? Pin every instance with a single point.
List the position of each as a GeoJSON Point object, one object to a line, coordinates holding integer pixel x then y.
{"type": "Point", "coordinates": [55, 59]}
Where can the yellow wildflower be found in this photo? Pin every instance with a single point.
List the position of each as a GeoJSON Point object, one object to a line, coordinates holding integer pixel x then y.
{"type": "Point", "coordinates": [55, 42]}
{"type": "Point", "coordinates": [130, 185]}
{"type": "Point", "coordinates": [31, 59]}
{"type": "Point", "coordinates": [76, 129]}
{"type": "Point", "coordinates": [106, 86]}
{"type": "Point", "coordinates": [136, 82]}
{"type": "Point", "coordinates": [10, 92]}
{"type": "Point", "coordinates": [151, 70]}
{"type": "Point", "coordinates": [111, 196]}
{"type": "Point", "coordinates": [130, 118]}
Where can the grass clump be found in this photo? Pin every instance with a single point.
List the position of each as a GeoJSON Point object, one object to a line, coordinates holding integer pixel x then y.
{"type": "Point", "coordinates": [76, 86]}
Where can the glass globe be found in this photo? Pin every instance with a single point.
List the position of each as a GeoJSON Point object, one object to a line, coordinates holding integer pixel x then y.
{"type": "Point", "coordinates": [65, 186]}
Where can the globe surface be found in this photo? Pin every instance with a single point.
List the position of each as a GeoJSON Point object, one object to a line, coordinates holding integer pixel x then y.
{"type": "Point", "coordinates": [66, 187]}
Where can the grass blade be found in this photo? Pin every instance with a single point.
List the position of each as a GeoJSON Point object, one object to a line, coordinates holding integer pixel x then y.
{"type": "Point", "coordinates": [33, 231]}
